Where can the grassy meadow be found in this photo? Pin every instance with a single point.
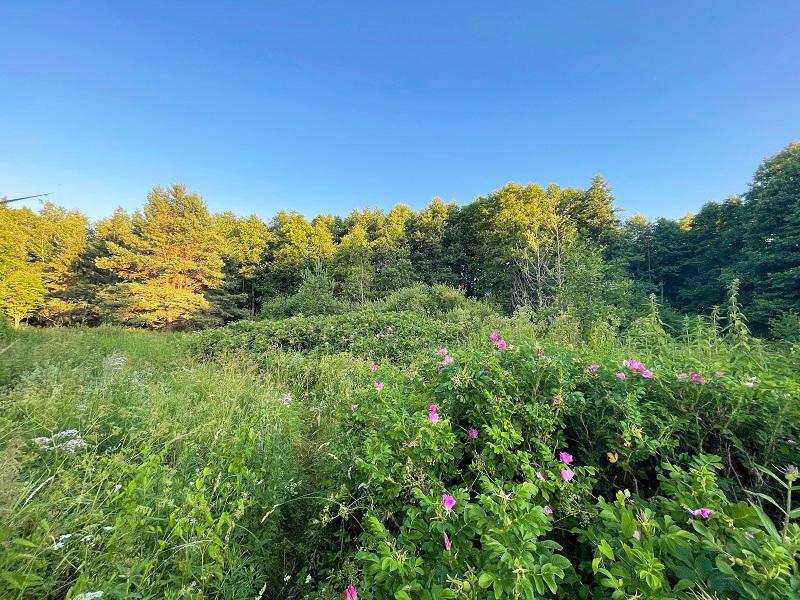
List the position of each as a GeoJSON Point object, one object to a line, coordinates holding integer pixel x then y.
{"type": "Point", "coordinates": [444, 453]}
{"type": "Point", "coordinates": [173, 463]}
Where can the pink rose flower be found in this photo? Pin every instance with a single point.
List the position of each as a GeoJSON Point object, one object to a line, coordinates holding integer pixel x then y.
{"type": "Point", "coordinates": [620, 376]}
{"type": "Point", "coordinates": [501, 345]}
{"type": "Point", "coordinates": [473, 433]}
{"type": "Point", "coordinates": [647, 373]}
{"type": "Point", "coordinates": [350, 593]}
{"type": "Point", "coordinates": [448, 502]}
{"type": "Point", "coordinates": [567, 474]}
{"type": "Point", "coordinates": [539, 476]}
{"type": "Point", "coordinates": [494, 336]}
{"type": "Point", "coordinates": [548, 509]}
{"type": "Point", "coordinates": [447, 543]}
{"type": "Point", "coordinates": [565, 457]}
{"type": "Point", "coordinates": [378, 386]}
{"type": "Point", "coordinates": [703, 513]}
{"type": "Point", "coordinates": [593, 368]}
{"type": "Point", "coordinates": [373, 365]}
{"type": "Point", "coordinates": [697, 378]}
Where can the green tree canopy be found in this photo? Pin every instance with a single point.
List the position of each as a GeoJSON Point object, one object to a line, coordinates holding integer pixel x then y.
{"type": "Point", "coordinates": [172, 258]}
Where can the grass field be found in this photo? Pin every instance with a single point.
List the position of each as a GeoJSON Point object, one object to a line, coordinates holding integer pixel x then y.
{"type": "Point", "coordinates": [258, 461]}
{"type": "Point", "coordinates": [126, 461]}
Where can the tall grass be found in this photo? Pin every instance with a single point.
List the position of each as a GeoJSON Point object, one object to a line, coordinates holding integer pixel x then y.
{"type": "Point", "coordinates": [172, 465]}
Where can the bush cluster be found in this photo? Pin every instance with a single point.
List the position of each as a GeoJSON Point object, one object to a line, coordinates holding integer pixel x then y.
{"type": "Point", "coordinates": [387, 335]}
{"type": "Point", "coordinates": [527, 472]}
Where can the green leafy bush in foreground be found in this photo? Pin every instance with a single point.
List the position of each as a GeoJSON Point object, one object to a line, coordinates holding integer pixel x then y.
{"type": "Point", "coordinates": [484, 476]}
{"type": "Point", "coordinates": [474, 470]}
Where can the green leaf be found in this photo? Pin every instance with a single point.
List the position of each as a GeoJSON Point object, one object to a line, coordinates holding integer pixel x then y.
{"type": "Point", "coordinates": [485, 580]}
{"type": "Point", "coordinates": [551, 582]}
{"type": "Point", "coordinates": [724, 566]}
{"type": "Point", "coordinates": [768, 499]}
{"type": "Point", "coordinates": [606, 550]}
{"type": "Point", "coordinates": [767, 523]}
{"type": "Point", "coordinates": [596, 564]}
{"type": "Point", "coordinates": [683, 584]}
{"type": "Point", "coordinates": [215, 552]}
{"type": "Point", "coordinates": [22, 581]}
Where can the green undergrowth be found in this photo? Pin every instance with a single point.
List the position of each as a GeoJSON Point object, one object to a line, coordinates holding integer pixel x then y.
{"type": "Point", "coordinates": [132, 468]}
{"type": "Point", "coordinates": [409, 456]}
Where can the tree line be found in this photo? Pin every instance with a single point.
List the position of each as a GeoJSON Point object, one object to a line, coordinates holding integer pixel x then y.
{"type": "Point", "coordinates": [551, 250]}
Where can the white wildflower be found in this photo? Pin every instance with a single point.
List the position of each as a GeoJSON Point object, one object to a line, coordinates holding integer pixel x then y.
{"type": "Point", "coordinates": [261, 593]}
{"type": "Point", "coordinates": [115, 361]}
{"type": "Point", "coordinates": [72, 445]}
{"type": "Point", "coordinates": [107, 528]}
{"type": "Point", "coordinates": [88, 596]}
{"type": "Point", "coordinates": [62, 539]}
{"type": "Point", "coordinates": [287, 577]}
{"type": "Point", "coordinates": [308, 578]}
{"type": "Point", "coordinates": [751, 381]}
{"type": "Point", "coordinates": [117, 487]}
{"type": "Point", "coordinates": [86, 539]}
{"type": "Point", "coordinates": [287, 399]}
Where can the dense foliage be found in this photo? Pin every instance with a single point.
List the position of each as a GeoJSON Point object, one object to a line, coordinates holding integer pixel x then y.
{"type": "Point", "coordinates": [450, 453]}
{"type": "Point", "coordinates": [174, 265]}
{"type": "Point", "coordinates": [126, 466]}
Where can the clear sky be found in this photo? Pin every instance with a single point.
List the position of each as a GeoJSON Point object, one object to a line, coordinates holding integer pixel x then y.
{"type": "Point", "coordinates": [330, 106]}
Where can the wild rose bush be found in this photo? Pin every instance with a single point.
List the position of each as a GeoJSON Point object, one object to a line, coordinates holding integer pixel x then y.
{"type": "Point", "coordinates": [367, 333]}
{"type": "Point", "coordinates": [668, 409]}
{"type": "Point", "coordinates": [663, 549]}
{"type": "Point", "coordinates": [483, 476]}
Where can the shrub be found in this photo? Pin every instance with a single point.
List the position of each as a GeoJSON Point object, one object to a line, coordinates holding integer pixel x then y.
{"type": "Point", "coordinates": [488, 430]}
{"type": "Point", "coordinates": [365, 333]}
{"type": "Point", "coordinates": [786, 327]}
{"type": "Point", "coordinates": [434, 301]}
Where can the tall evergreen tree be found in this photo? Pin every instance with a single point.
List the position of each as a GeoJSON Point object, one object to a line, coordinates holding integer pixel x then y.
{"type": "Point", "coordinates": [771, 265]}
{"type": "Point", "coordinates": [711, 256]}
{"type": "Point", "coordinates": [170, 262]}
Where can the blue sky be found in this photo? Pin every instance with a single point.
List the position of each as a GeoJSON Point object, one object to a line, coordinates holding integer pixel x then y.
{"type": "Point", "coordinates": [330, 106]}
